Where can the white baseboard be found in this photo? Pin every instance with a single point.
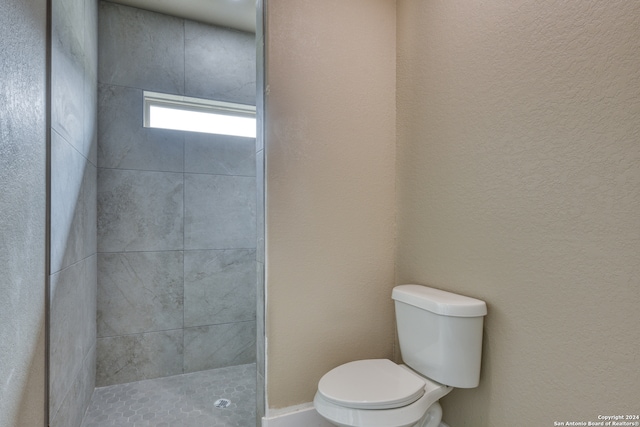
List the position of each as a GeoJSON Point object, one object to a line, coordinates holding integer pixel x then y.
{"type": "Point", "coordinates": [304, 415]}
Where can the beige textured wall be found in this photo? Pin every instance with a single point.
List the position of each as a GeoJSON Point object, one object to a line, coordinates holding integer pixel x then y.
{"type": "Point", "coordinates": [519, 183]}
{"type": "Point", "coordinates": [330, 155]}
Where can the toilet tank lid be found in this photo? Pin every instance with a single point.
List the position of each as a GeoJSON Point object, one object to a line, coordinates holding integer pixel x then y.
{"type": "Point", "coordinates": [439, 302]}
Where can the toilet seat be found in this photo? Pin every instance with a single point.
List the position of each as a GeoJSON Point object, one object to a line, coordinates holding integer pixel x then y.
{"type": "Point", "coordinates": [371, 384]}
{"type": "Point", "coordinates": [402, 416]}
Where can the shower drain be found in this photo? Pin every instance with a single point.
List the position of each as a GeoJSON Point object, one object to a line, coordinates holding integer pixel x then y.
{"type": "Point", "coordinates": [222, 403]}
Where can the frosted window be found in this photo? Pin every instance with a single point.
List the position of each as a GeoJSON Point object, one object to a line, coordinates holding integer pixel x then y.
{"type": "Point", "coordinates": [198, 115]}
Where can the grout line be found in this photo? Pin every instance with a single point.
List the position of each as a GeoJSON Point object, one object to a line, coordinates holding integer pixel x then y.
{"type": "Point", "coordinates": [176, 329]}
{"type": "Point", "coordinates": [168, 250]}
{"type": "Point", "coordinates": [176, 172]}
{"type": "Point", "coordinates": [75, 263]}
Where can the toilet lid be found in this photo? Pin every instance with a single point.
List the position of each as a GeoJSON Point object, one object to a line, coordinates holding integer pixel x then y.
{"type": "Point", "coordinates": [371, 384]}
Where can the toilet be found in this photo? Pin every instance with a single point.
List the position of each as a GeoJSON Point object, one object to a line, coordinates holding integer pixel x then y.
{"type": "Point", "coordinates": [440, 335]}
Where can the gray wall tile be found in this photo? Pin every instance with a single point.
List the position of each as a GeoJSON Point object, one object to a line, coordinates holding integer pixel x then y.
{"type": "Point", "coordinates": [67, 95]}
{"type": "Point", "coordinates": [137, 357]}
{"type": "Point", "coordinates": [260, 285]}
{"type": "Point", "coordinates": [260, 206]}
{"type": "Point", "coordinates": [66, 211]}
{"type": "Point", "coordinates": [78, 397]}
{"type": "Point", "coordinates": [89, 305]}
{"type": "Point", "coordinates": [260, 225]}
{"type": "Point", "coordinates": [73, 205]}
{"type": "Point", "coordinates": [67, 71]}
{"type": "Point", "coordinates": [219, 286]}
{"type": "Point", "coordinates": [141, 49]}
{"type": "Point", "coordinates": [90, 210]}
{"type": "Point", "coordinates": [73, 209]}
{"type": "Point", "coordinates": [219, 154]}
{"type": "Point", "coordinates": [139, 211]}
{"type": "Point", "coordinates": [72, 325]}
{"type": "Point", "coordinates": [220, 63]}
{"type": "Point", "coordinates": [90, 80]}
{"type": "Point", "coordinates": [139, 292]}
{"type": "Point", "coordinates": [220, 212]}
{"type": "Point", "coordinates": [125, 143]}
{"type": "Point", "coordinates": [90, 141]}
{"type": "Point", "coordinates": [260, 399]}
{"type": "Point", "coordinates": [260, 319]}
{"type": "Point", "coordinates": [68, 28]}
{"type": "Point", "coordinates": [260, 61]}
{"type": "Point", "coordinates": [217, 346]}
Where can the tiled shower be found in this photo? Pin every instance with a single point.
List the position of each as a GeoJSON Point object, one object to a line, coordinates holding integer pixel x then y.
{"type": "Point", "coordinates": [154, 270]}
{"type": "Point", "coordinates": [176, 210]}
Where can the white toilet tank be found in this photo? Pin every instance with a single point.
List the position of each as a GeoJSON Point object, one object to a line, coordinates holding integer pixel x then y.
{"type": "Point", "coordinates": [440, 334]}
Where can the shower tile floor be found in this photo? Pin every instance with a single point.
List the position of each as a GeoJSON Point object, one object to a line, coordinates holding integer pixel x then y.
{"type": "Point", "coordinates": [186, 400]}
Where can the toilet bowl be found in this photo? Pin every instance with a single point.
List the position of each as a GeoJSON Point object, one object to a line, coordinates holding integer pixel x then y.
{"type": "Point", "coordinates": [379, 393]}
{"type": "Point", "coordinates": [440, 337]}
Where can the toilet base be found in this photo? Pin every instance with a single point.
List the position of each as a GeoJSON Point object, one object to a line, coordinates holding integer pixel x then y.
{"type": "Point", "coordinates": [432, 418]}
{"type": "Point", "coordinates": [426, 412]}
